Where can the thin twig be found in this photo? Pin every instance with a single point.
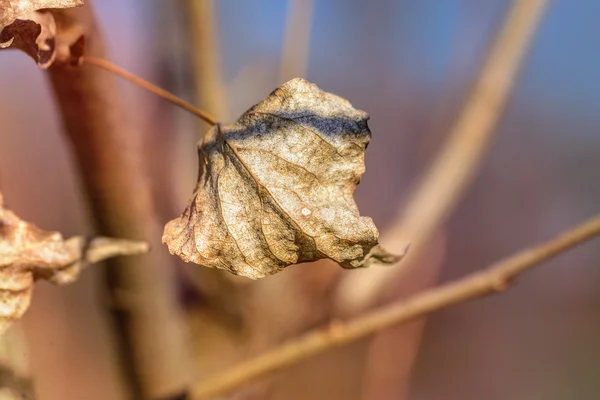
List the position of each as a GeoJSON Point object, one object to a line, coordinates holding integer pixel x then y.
{"type": "Point", "coordinates": [455, 167]}
{"type": "Point", "coordinates": [107, 65]}
{"type": "Point", "coordinates": [495, 278]}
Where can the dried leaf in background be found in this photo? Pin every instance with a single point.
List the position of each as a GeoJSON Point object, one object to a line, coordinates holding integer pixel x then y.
{"type": "Point", "coordinates": [276, 188]}
{"type": "Point", "coordinates": [28, 253]}
{"type": "Point", "coordinates": [39, 29]}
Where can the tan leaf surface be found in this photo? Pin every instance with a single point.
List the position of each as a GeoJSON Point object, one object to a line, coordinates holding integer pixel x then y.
{"type": "Point", "coordinates": [276, 188]}
{"type": "Point", "coordinates": [38, 28]}
{"type": "Point", "coordinates": [28, 253]}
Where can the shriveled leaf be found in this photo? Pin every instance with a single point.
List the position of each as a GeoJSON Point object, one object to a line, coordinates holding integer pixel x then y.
{"type": "Point", "coordinates": [276, 188]}
{"type": "Point", "coordinates": [28, 253]}
{"type": "Point", "coordinates": [38, 28]}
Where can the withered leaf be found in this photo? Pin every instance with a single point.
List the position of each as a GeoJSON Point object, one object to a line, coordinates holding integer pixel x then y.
{"type": "Point", "coordinates": [276, 188]}
{"type": "Point", "coordinates": [39, 29]}
{"type": "Point", "coordinates": [28, 253]}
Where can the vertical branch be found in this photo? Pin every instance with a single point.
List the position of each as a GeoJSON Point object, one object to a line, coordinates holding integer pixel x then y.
{"type": "Point", "coordinates": [296, 40]}
{"type": "Point", "coordinates": [210, 95]}
{"type": "Point", "coordinates": [153, 348]}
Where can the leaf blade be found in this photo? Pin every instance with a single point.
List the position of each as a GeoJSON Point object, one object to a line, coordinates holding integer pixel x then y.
{"type": "Point", "coordinates": [276, 188]}
{"type": "Point", "coordinates": [28, 253]}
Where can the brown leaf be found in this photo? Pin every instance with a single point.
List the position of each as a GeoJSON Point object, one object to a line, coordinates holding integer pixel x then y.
{"type": "Point", "coordinates": [276, 188]}
{"type": "Point", "coordinates": [38, 28]}
{"type": "Point", "coordinates": [28, 253]}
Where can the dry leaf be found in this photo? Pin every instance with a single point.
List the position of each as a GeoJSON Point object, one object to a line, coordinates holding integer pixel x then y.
{"type": "Point", "coordinates": [28, 253]}
{"type": "Point", "coordinates": [38, 28]}
{"type": "Point", "coordinates": [276, 188]}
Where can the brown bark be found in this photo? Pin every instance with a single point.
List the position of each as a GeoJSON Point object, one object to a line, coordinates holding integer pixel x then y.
{"type": "Point", "coordinates": [141, 288]}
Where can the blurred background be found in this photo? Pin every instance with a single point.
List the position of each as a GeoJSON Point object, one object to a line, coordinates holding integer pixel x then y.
{"type": "Point", "coordinates": [408, 64]}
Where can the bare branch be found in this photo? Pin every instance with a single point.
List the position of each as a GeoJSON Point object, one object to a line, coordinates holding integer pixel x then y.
{"type": "Point", "coordinates": [493, 279]}
{"type": "Point", "coordinates": [206, 56]}
{"type": "Point", "coordinates": [455, 167]}
{"type": "Point", "coordinates": [156, 361]}
{"type": "Point", "coordinates": [296, 40]}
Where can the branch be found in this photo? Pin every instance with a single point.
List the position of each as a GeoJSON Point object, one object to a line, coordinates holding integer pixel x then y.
{"type": "Point", "coordinates": [156, 361]}
{"type": "Point", "coordinates": [296, 39]}
{"type": "Point", "coordinates": [206, 56]}
{"type": "Point", "coordinates": [107, 65]}
{"type": "Point", "coordinates": [455, 167]}
{"type": "Point", "coordinates": [495, 278]}
{"type": "Point", "coordinates": [210, 94]}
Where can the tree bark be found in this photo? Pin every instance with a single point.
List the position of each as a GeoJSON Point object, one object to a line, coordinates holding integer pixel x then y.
{"type": "Point", "coordinates": [142, 288]}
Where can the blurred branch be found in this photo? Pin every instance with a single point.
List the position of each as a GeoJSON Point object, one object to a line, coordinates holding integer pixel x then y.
{"type": "Point", "coordinates": [493, 279]}
{"type": "Point", "coordinates": [296, 41]}
{"type": "Point", "coordinates": [216, 287]}
{"type": "Point", "coordinates": [391, 354]}
{"type": "Point", "coordinates": [443, 185]}
{"type": "Point", "coordinates": [107, 65]}
{"type": "Point", "coordinates": [206, 56]}
{"type": "Point", "coordinates": [156, 361]}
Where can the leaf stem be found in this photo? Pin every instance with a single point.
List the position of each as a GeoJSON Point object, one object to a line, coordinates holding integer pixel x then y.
{"type": "Point", "coordinates": [109, 66]}
{"type": "Point", "coordinates": [496, 278]}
